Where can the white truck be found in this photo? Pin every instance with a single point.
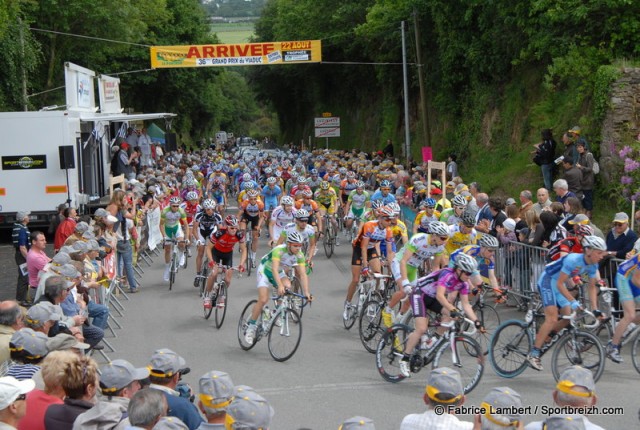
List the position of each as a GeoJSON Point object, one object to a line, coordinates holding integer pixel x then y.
{"type": "Point", "coordinates": [54, 157]}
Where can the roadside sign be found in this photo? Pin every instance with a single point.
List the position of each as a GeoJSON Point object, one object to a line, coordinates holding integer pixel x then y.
{"type": "Point", "coordinates": [333, 121]}
{"type": "Point", "coordinates": [328, 132]}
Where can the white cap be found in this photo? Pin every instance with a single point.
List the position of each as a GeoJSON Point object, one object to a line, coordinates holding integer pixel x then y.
{"type": "Point", "coordinates": [11, 388]}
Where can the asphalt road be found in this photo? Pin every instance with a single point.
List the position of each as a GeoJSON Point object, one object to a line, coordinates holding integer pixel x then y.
{"type": "Point", "coordinates": [331, 377]}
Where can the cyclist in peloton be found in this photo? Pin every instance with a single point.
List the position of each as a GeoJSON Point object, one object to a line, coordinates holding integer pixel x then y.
{"type": "Point", "coordinates": [270, 273]}
{"type": "Point", "coordinates": [307, 203]}
{"type": "Point", "coordinates": [366, 252]}
{"type": "Point", "coordinates": [271, 194]}
{"type": "Point", "coordinates": [628, 285]}
{"type": "Point", "coordinates": [191, 206]}
{"type": "Point", "coordinates": [555, 295]}
{"type": "Point", "coordinates": [302, 227]}
{"type": "Point", "coordinates": [327, 200]}
{"type": "Point", "coordinates": [453, 215]}
{"type": "Point", "coordinates": [280, 217]}
{"type": "Point", "coordinates": [170, 219]}
{"type": "Point", "coordinates": [408, 261]}
{"type": "Point", "coordinates": [220, 250]}
{"type": "Point", "coordinates": [251, 213]}
{"type": "Point", "coordinates": [484, 253]}
{"type": "Point", "coordinates": [357, 203]}
{"type": "Point", "coordinates": [426, 215]}
{"type": "Point", "coordinates": [204, 223]}
{"type": "Point", "coordinates": [437, 292]}
{"type": "Point", "coordinates": [384, 193]}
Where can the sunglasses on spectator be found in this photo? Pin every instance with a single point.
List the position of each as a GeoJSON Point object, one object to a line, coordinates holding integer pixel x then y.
{"type": "Point", "coordinates": [21, 397]}
{"type": "Point", "coordinates": [618, 224]}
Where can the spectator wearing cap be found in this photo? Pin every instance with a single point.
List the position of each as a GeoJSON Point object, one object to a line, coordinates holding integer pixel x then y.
{"type": "Point", "coordinates": [621, 238]}
{"type": "Point", "coordinates": [500, 399]}
{"type": "Point", "coordinates": [66, 228]}
{"type": "Point", "coordinates": [13, 406]}
{"type": "Point", "coordinates": [124, 161]}
{"type": "Point", "coordinates": [146, 408]}
{"type": "Point", "coordinates": [10, 322]}
{"type": "Point", "coordinates": [119, 381]}
{"type": "Point", "coordinates": [78, 232]}
{"type": "Point", "coordinates": [80, 386]}
{"type": "Point", "coordinates": [357, 423]}
{"type": "Point", "coordinates": [55, 291]}
{"type": "Point", "coordinates": [170, 423]}
{"type": "Point", "coordinates": [444, 389]}
{"type": "Point", "coordinates": [249, 410]}
{"type": "Point", "coordinates": [37, 259]}
{"type": "Point", "coordinates": [41, 317]}
{"type": "Point", "coordinates": [216, 393]}
{"type": "Point", "coordinates": [576, 389]}
{"type": "Point", "coordinates": [28, 348]}
{"type": "Point", "coordinates": [564, 422]}
{"type": "Point", "coordinates": [561, 188]}
{"type": "Point", "coordinates": [165, 370]}
{"type": "Point", "coordinates": [582, 219]}
{"type": "Point", "coordinates": [20, 237]}
{"type": "Point", "coordinates": [52, 269]}
{"type": "Point", "coordinates": [50, 392]}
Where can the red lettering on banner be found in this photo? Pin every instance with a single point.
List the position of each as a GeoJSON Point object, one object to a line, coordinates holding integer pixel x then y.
{"type": "Point", "coordinates": [207, 51]}
{"type": "Point", "coordinates": [223, 51]}
{"type": "Point", "coordinates": [242, 50]}
{"type": "Point", "coordinates": [193, 52]}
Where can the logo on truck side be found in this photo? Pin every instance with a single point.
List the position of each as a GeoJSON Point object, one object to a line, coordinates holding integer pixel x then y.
{"type": "Point", "coordinates": [24, 162]}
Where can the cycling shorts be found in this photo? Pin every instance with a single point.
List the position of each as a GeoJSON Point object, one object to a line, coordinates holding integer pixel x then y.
{"type": "Point", "coordinates": [270, 205]}
{"type": "Point", "coordinates": [224, 258]}
{"type": "Point", "coordinates": [266, 281]}
{"type": "Point", "coordinates": [626, 289]}
{"type": "Point", "coordinates": [331, 209]}
{"type": "Point", "coordinates": [550, 294]}
{"type": "Point", "coordinates": [412, 271]}
{"type": "Point", "coordinates": [250, 220]}
{"type": "Point", "coordinates": [356, 257]}
{"type": "Point", "coordinates": [219, 198]}
{"type": "Point", "coordinates": [355, 212]}
{"type": "Point", "coordinates": [420, 302]}
{"type": "Point", "coordinates": [173, 232]}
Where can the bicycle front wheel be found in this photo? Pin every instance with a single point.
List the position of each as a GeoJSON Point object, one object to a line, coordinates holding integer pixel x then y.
{"type": "Point", "coordinates": [245, 316]}
{"type": "Point", "coordinates": [635, 350]}
{"type": "Point", "coordinates": [221, 303]}
{"type": "Point", "coordinates": [327, 240]}
{"type": "Point", "coordinates": [509, 347]}
{"type": "Point", "coordinates": [370, 327]}
{"type": "Point", "coordinates": [172, 272]}
{"type": "Point", "coordinates": [250, 258]}
{"type": "Point", "coordinates": [390, 351]}
{"type": "Point", "coordinates": [490, 319]}
{"type": "Point", "coordinates": [285, 334]}
{"type": "Point", "coordinates": [296, 302]}
{"type": "Point", "coordinates": [352, 313]}
{"type": "Point", "coordinates": [465, 356]}
{"type": "Point", "coordinates": [578, 348]}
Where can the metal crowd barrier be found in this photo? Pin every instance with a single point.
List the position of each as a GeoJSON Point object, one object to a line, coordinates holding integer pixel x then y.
{"type": "Point", "coordinates": [519, 266]}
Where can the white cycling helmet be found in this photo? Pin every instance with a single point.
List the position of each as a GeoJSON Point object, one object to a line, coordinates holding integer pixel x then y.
{"type": "Point", "coordinates": [594, 242]}
{"type": "Point", "coordinates": [175, 200]}
{"type": "Point", "coordinates": [459, 201]}
{"type": "Point", "coordinates": [209, 204]}
{"type": "Point", "coordinates": [466, 263]}
{"type": "Point", "coordinates": [246, 177]}
{"type": "Point", "coordinates": [286, 200]}
{"type": "Point", "coordinates": [302, 213]}
{"type": "Point", "coordinates": [395, 207]}
{"type": "Point", "coordinates": [192, 195]}
{"type": "Point", "coordinates": [294, 237]}
{"type": "Point", "coordinates": [488, 241]}
{"type": "Point", "coordinates": [439, 228]}
{"type": "Point", "coordinates": [271, 180]}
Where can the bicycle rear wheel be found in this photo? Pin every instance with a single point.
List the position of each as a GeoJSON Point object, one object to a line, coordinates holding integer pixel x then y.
{"type": "Point", "coordinates": [509, 347]}
{"type": "Point", "coordinates": [172, 273]}
{"type": "Point", "coordinates": [221, 303]}
{"type": "Point", "coordinates": [390, 351]}
{"type": "Point", "coordinates": [466, 357]}
{"type": "Point", "coordinates": [207, 311]}
{"type": "Point", "coordinates": [327, 240]}
{"type": "Point", "coordinates": [370, 326]}
{"type": "Point", "coordinates": [284, 335]}
{"type": "Point", "coordinates": [250, 258]}
{"type": "Point", "coordinates": [635, 351]}
{"type": "Point", "coordinates": [202, 282]}
{"type": "Point", "coordinates": [245, 316]}
{"type": "Point", "coordinates": [579, 348]}
{"type": "Point", "coordinates": [352, 313]}
{"type": "Point", "coordinates": [490, 321]}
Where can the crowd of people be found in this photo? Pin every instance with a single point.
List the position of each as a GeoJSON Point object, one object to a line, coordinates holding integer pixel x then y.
{"type": "Point", "coordinates": [289, 196]}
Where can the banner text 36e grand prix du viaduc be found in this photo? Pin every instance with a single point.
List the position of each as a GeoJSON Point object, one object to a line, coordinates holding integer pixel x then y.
{"type": "Point", "coordinates": [242, 54]}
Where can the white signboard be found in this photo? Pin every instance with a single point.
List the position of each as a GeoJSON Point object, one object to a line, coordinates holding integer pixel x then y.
{"type": "Point", "coordinates": [80, 94]}
{"type": "Point", "coordinates": [328, 132]}
{"type": "Point", "coordinates": [333, 121]}
{"type": "Point", "coordinates": [109, 92]}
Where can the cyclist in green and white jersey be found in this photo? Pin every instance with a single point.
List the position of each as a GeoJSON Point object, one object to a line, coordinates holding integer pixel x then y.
{"type": "Point", "coordinates": [409, 259]}
{"type": "Point", "coordinates": [453, 215]}
{"type": "Point", "coordinates": [270, 273]}
{"type": "Point", "coordinates": [302, 227]}
{"type": "Point", "coordinates": [170, 219]}
{"type": "Point", "coordinates": [358, 202]}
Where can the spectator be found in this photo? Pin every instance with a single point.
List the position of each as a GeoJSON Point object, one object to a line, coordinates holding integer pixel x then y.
{"type": "Point", "coordinates": [357, 423]}
{"type": "Point", "coordinates": [500, 399]}
{"type": "Point", "coordinates": [570, 150]}
{"type": "Point", "coordinates": [558, 209]}
{"type": "Point", "coordinates": [53, 373]}
{"type": "Point", "coordinates": [572, 207]}
{"type": "Point", "coordinates": [452, 166]}
{"type": "Point", "coordinates": [543, 201]}
{"type": "Point", "coordinates": [536, 229]}
{"type": "Point", "coordinates": [80, 386]}
{"type": "Point", "coordinates": [67, 342]}
{"type": "Point", "coordinates": [37, 259]}
{"type": "Point", "coordinates": [166, 369]}
{"type": "Point", "coordinates": [444, 390]}
{"type": "Point", "coordinates": [124, 231]}
{"type": "Point", "coordinates": [146, 407]}
{"type": "Point", "coordinates": [216, 393]}
{"type": "Point", "coordinates": [28, 348]}
{"type": "Point", "coordinates": [54, 268]}
{"type": "Point", "coordinates": [573, 176]}
{"type": "Point", "coordinates": [564, 422]}
{"type": "Point", "coordinates": [78, 232]}
{"type": "Point", "coordinates": [575, 389]}
{"type": "Point", "coordinates": [513, 213]}
{"type": "Point", "coordinates": [553, 231]}
{"type": "Point", "coordinates": [585, 164]}
{"type": "Point", "coordinates": [170, 423]}
{"type": "Point", "coordinates": [249, 410]}
{"type": "Point", "coordinates": [57, 219]}
{"type": "Point", "coordinates": [526, 202]}
{"type": "Point", "coordinates": [13, 406]}
{"type": "Point", "coordinates": [66, 228]}
{"type": "Point", "coordinates": [546, 151]}
{"type": "Point", "coordinates": [496, 206]}
{"type": "Point", "coordinates": [388, 149]}
{"type": "Point", "coordinates": [10, 322]}
{"type": "Point", "coordinates": [561, 189]}
{"type": "Point", "coordinates": [621, 238]}
{"type": "Point", "coordinates": [119, 381]}
{"type": "Point", "coordinates": [20, 237]}
{"type": "Point", "coordinates": [41, 317]}
{"type": "Point", "coordinates": [55, 291]}
{"type": "Point", "coordinates": [582, 219]}
{"type": "Point", "coordinates": [484, 215]}
{"type": "Point", "coordinates": [123, 161]}
{"type": "Point", "coordinates": [144, 142]}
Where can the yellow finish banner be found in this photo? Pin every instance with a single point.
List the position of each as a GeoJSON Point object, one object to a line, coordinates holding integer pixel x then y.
{"type": "Point", "coordinates": [242, 54]}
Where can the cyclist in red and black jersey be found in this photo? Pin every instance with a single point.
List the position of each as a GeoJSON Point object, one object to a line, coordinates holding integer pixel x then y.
{"type": "Point", "coordinates": [571, 244]}
{"type": "Point", "coordinates": [220, 250]}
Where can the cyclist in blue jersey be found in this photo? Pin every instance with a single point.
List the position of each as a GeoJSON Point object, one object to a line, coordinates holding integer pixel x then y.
{"type": "Point", "coordinates": [384, 193]}
{"type": "Point", "coordinates": [271, 194]}
{"type": "Point", "coordinates": [554, 293]}
{"type": "Point", "coordinates": [628, 285]}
